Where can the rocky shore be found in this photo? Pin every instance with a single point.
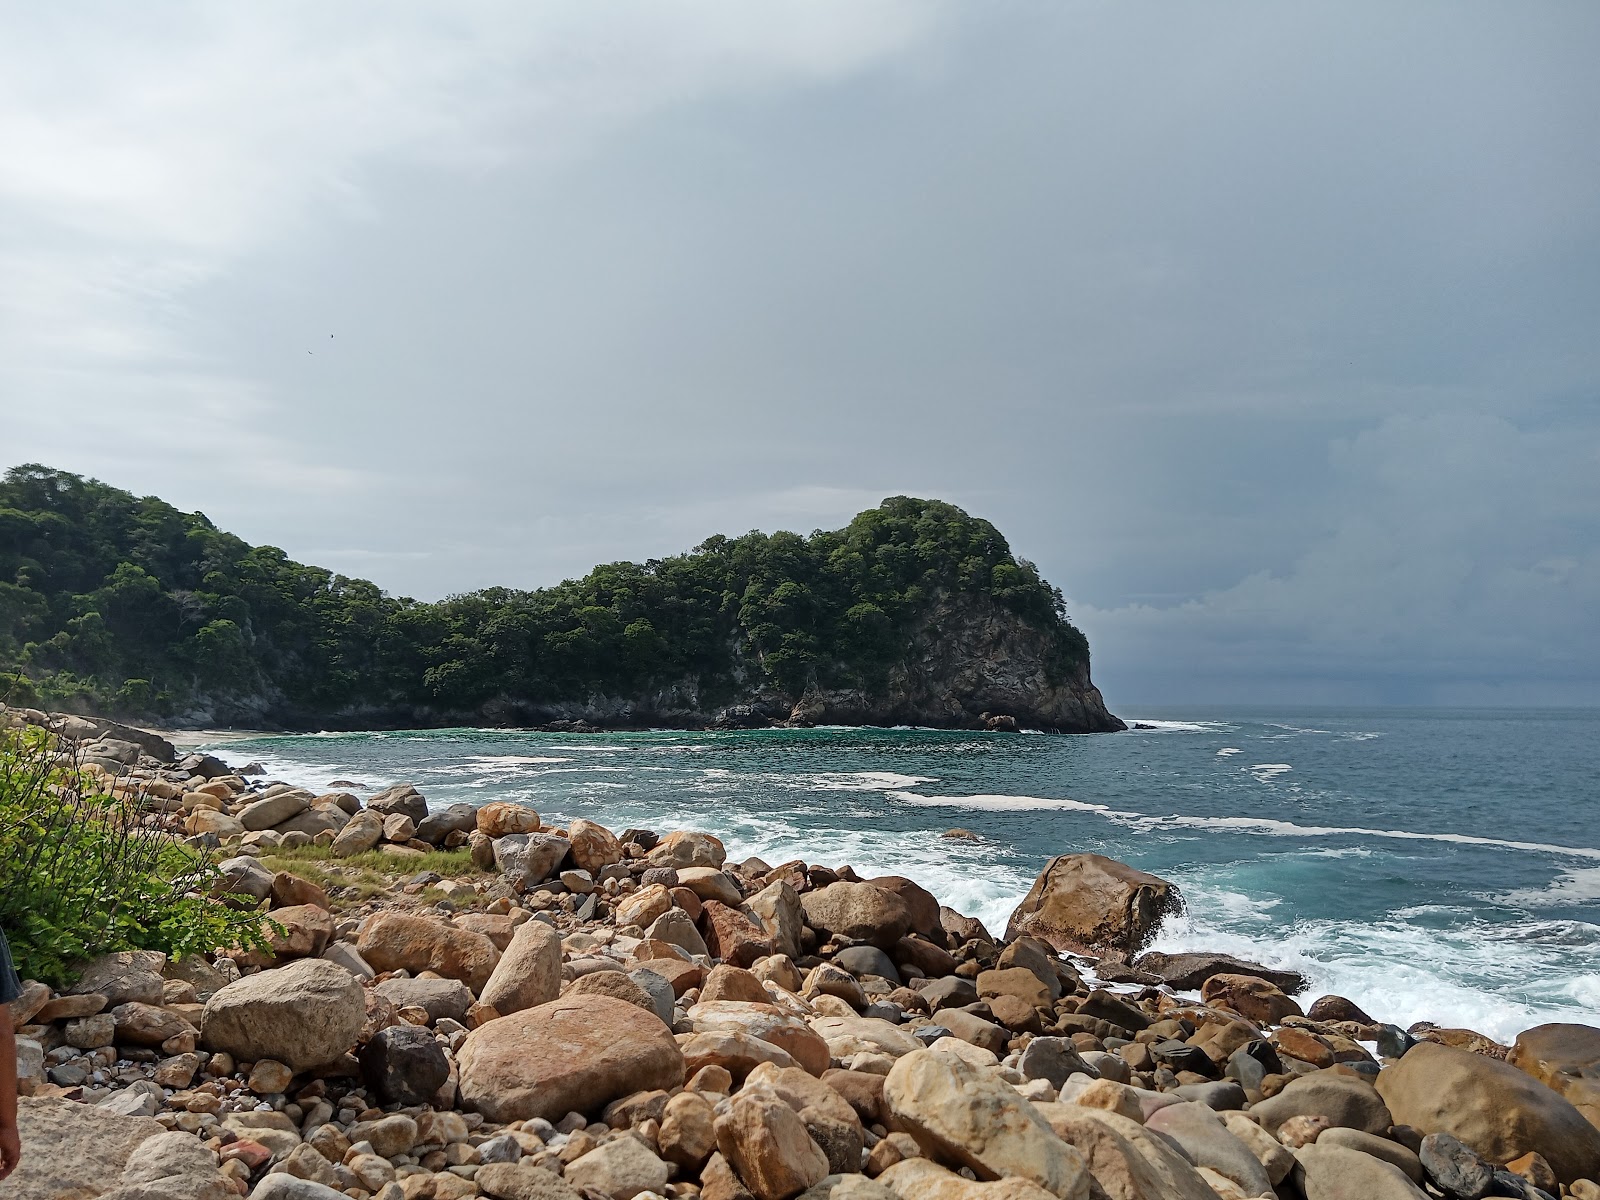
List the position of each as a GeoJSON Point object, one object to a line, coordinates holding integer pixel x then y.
{"type": "Point", "coordinates": [473, 1002]}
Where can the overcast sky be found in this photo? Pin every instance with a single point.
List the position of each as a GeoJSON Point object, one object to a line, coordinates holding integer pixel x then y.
{"type": "Point", "coordinates": [1270, 331]}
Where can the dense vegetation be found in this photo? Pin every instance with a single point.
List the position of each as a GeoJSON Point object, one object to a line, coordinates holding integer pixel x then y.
{"type": "Point", "coordinates": [125, 605]}
{"type": "Point", "coordinates": [82, 874]}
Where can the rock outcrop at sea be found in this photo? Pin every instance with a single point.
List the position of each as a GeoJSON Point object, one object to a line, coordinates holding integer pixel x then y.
{"type": "Point", "coordinates": [641, 1018]}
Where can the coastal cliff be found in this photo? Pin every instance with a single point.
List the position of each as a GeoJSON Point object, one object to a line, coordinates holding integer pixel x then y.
{"type": "Point", "coordinates": [913, 614]}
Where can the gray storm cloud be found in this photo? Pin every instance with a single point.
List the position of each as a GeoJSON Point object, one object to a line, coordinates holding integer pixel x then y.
{"type": "Point", "coordinates": [1267, 331]}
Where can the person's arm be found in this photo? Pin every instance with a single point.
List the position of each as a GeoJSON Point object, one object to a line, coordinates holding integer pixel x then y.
{"type": "Point", "coordinates": [10, 1140]}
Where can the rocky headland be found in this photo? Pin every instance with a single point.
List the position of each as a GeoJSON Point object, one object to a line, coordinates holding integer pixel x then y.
{"type": "Point", "coordinates": [474, 1002]}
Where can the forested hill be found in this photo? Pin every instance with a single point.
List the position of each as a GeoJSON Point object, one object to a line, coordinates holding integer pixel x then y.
{"type": "Point", "coordinates": [914, 612]}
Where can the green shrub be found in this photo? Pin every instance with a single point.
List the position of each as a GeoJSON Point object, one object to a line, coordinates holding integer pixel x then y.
{"type": "Point", "coordinates": [81, 873]}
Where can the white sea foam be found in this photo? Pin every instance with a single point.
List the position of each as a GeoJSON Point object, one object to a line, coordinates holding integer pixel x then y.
{"type": "Point", "coordinates": [863, 781]}
{"type": "Point", "coordinates": [1399, 972]}
{"type": "Point", "coordinates": [1007, 803]}
{"type": "Point", "coordinates": [1578, 886]}
{"type": "Point", "coordinates": [513, 760]}
{"type": "Point", "coordinates": [1228, 751]}
{"type": "Point", "coordinates": [1148, 725]}
{"type": "Point", "coordinates": [1267, 772]}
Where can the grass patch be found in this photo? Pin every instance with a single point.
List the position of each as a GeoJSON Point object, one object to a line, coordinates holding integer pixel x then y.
{"type": "Point", "coordinates": [373, 874]}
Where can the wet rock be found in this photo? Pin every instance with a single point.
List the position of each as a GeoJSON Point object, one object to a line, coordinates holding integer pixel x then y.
{"type": "Point", "coordinates": [1254, 999]}
{"type": "Point", "coordinates": [1189, 972]}
{"type": "Point", "coordinates": [1087, 902]}
{"type": "Point", "coordinates": [1329, 1009]}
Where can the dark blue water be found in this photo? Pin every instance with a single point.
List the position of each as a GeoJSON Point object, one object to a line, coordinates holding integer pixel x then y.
{"type": "Point", "coordinates": [1430, 864]}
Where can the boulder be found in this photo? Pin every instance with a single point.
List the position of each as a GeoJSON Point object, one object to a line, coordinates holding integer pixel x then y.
{"type": "Point", "coordinates": [967, 1117]}
{"type": "Point", "coordinates": [1053, 1059]}
{"type": "Point", "coordinates": [620, 1169]}
{"type": "Point", "coordinates": [642, 907]}
{"type": "Point", "coordinates": [777, 907]}
{"type": "Point", "coordinates": [1091, 903]}
{"type": "Point", "coordinates": [147, 1024]}
{"type": "Point", "coordinates": [1127, 1162]}
{"type": "Point", "coordinates": [616, 985]}
{"type": "Point", "coordinates": [458, 818]}
{"type": "Point", "coordinates": [857, 912]}
{"type": "Point", "coordinates": [171, 1166]}
{"type": "Point", "coordinates": [1499, 1111]}
{"type": "Point", "coordinates": [732, 935]}
{"type": "Point", "coordinates": [688, 849]}
{"type": "Point", "coordinates": [438, 998]}
{"type": "Point", "coordinates": [520, 1181]}
{"type": "Point", "coordinates": [766, 1143]}
{"type": "Point", "coordinates": [1566, 1059]}
{"type": "Point", "coordinates": [1340, 1173]}
{"type": "Point", "coordinates": [360, 834]}
{"type": "Point", "coordinates": [1343, 1100]}
{"type": "Point", "coordinates": [732, 1050]}
{"type": "Point", "coordinates": [528, 973]}
{"type": "Point", "coordinates": [65, 1144]}
{"type": "Point", "coordinates": [919, 1179]}
{"type": "Point", "coordinates": [527, 859]}
{"type": "Point", "coordinates": [274, 810]}
{"type": "Point", "coordinates": [304, 1015]}
{"type": "Point", "coordinates": [565, 1056]}
{"type": "Point", "coordinates": [688, 1130]}
{"type": "Point", "coordinates": [395, 941]}
{"type": "Point", "coordinates": [1202, 1137]}
{"type": "Point", "coordinates": [242, 876]}
{"type": "Point", "coordinates": [593, 846]}
{"type": "Point", "coordinates": [920, 904]}
{"type": "Point", "coordinates": [1254, 999]}
{"type": "Point", "coordinates": [403, 799]}
{"type": "Point", "coordinates": [1189, 972]}
{"type": "Point", "coordinates": [827, 1116]}
{"type": "Point", "coordinates": [501, 818]}
{"type": "Point", "coordinates": [767, 1022]}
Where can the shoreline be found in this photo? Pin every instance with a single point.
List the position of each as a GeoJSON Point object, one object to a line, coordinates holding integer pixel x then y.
{"type": "Point", "coordinates": [546, 1008]}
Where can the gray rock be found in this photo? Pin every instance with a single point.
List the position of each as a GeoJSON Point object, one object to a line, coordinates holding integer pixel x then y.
{"type": "Point", "coordinates": [867, 960]}
{"type": "Point", "coordinates": [1222, 1096]}
{"type": "Point", "coordinates": [678, 928]}
{"type": "Point", "coordinates": [1200, 1134]}
{"type": "Point", "coordinates": [658, 989]}
{"type": "Point", "coordinates": [529, 858]}
{"type": "Point", "coordinates": [1455, 1168]}
{"type": "Point", "coordinates": [274, 810]}
{"type": "Point", "coordinates": [1053, 1059]}
{"type": "Point", "coordinates": [440, 997]}
{"type": "Point", "coordinates": [1346, 1102]}
{"type": "Point", "coordinates": [404, 1064]}
{"type": "Point", "coordinates": [1378, 1147]}
{"type": "Point", "coordinates": [502, 1149]}
{"type": "Point", "coordinates": [929, 1034]}
{"type": "Point", "coordinates": [128, 975]}
{"type": "Point", "coordinates": [1339, 1173]}
{"type": "Point", "coordinates": [437, 826]}
{"type": "Point", "coordinates": [287, 1187]}
{"type": "Point", "coordinates": [950, 992]}
{"type": "Point", "coordinates": [242, 876]}
{"type": "Point", "coordinates": [403, 798]}
{"type": "Point", "coordinates": [346, 956]}
{"type": "Point", "coordinates": [304, 1015]}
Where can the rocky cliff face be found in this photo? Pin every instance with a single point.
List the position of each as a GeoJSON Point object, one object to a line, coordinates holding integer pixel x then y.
{"type": "Point", "coordinates": [969, 664]}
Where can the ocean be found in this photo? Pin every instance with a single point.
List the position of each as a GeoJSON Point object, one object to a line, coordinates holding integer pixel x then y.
{"type": "Point", "coordinates": [1439, 865]}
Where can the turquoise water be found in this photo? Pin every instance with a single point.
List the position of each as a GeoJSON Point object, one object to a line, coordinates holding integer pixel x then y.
{"type": "Point", "coordinates": [1429, 864]}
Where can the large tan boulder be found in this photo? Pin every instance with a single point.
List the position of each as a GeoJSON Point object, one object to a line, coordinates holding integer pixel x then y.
{"type": "Point", "coordinates": [361, 833]}
{"type": "Point", "coordinates": [500, 818]}
{"type": "Point", "coordinates": [777, 907]}
{"type": "Point", "coordinates": [767, 1144]}
{"type": "Point", "coordinates": [685, 848]}
{"type": "Point", "coordinates": [1091, 903]}
{"type": "Point", "coordinates": [73, 1151]}
{"type": "Point", "coordinates": [1127, 1162]}
{"type": "Point", "coordinates": [1499, 1111]}
{"type": "Point", "coordinates": [768, 1023]}
{"type": "Point", "coordinates": [858, 912]}
{"type": "Point", "coordinates": [968, 1118]}
{"type": "Point", "coordinates": [593, 846]}
{"type": "Point", "coordinates": [1565, 1058]}
{"type": "Point", "coordinates": [528, 973]}
{"type": "Point", "coordinates": [573, 1055]}
{"type": "Point", "coordinates": [394, 941]}
{"type": "Point", "coordinates": [827, 1116]}
{"type": "Point", "coordinates": [919, 1179]}
{"type": "Point", "coordinates": [1334, 1172]}
{"type": "Point", "coordinates": [304, 1015]}
{"type": "Point", "coordinates": [1252, 998]}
